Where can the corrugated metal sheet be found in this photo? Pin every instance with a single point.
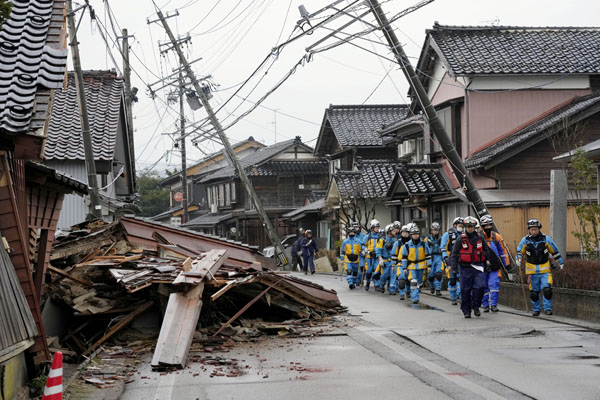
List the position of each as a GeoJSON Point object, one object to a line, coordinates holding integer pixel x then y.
{"type": "Point", "coordinates": [17, 323]}
{"type": "Point", "coordinates": [74, 208]}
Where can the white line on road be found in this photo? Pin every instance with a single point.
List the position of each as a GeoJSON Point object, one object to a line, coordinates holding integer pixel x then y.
{"type": "Point", "coordinates": [464, 383]}
{"type": "Point", "coordinates": [166, 383]}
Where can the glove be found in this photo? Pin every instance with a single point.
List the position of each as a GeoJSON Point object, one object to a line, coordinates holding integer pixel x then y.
{"type": "Point", "coordinates": [561, 266]}
{"type": "Point", "coordinates": [518, 262]}
{"type": "Point", "coordinates": [363, 253]}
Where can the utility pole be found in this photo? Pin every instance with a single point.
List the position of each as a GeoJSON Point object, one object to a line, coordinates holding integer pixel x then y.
{"type": "Point", "coordinates": [184, 201]}
{"type": "Point", "coordinates": [279, 251]}
{"type": "Point", "coordinates": [437, 129]}
{"type": "Point", "coordinates": [90, 165]}
{"type": "Point", "coordinates": [129, 98]}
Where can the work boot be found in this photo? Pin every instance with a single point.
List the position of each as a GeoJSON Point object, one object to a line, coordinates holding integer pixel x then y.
{"type": "Point", "coordinates": [392, 293]}
{"type": "Point", "coordinates": [438, 292]}
{"type": "Point", "coordinates": [305, 272]}
{"type": "Point", "coordinates": [495, 309]}
{"type": "Point", "coordinates": [486, 309]}
{"type": "Point", "coordinates": [415, 302]}
{"type": "Point", "coordinates": [367, 286]}
{"type": "Point", "coordinates": [477, 312]}
{"type": "Point", "coordinates": [535, 313]}
{"type": "Point", "coordinates": [467, 315]}
{"type": "Point", "coordinates": [312, 272]}
{"type": "Point", "coordinates": [454, 302]}
{"type": "Point", "coordinates": [432, 290]}
{"type": "Point", "coordinates": [548, 312]}
{"type": "Point", "coordinates": [402, 297]}
{"type": "Point", "coordinates": [352, 286]}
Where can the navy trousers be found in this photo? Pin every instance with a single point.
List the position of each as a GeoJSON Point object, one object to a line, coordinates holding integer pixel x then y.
{"type": "Point", "coordinates": [472, 286]}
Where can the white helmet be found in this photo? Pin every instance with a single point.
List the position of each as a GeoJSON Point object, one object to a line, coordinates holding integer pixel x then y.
{"type": "Point", "coordinates": [471, 221]}
{"type": "Point", "coordinates": [487, 220]}
{"type": "Point", "coordinates": [397, 225]}
{"type": "Point", "coordinates": [374, 223]}
{"type": "Point", "coordinates": [405, 228]}
{"type": "Point", "coordinates": [435, 226]}
{"type": "Point", "coordinates": [389, 228]}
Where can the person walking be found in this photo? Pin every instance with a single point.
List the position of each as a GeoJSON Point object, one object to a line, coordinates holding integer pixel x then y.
{"type": "Point", "coordinates": [448, 240]}
{"type": "Point", "coordinates": [434, 240]}
{"type": "Point", "coordinates": [349, 254]}
{"type": "Point", "coordinates": [309, 249]}
{"type": "Point", "coordinates": [384, 252]}
{"type": "Point", "coordinates": [416, 257]}
{"type": "Point", "coordinates": [361, 237]}
{"type": "Point", "coordinates": [537, 248]}
{"type": "Point", "coordinates": [471, 256]}
{"type": "Point", "coordinates": [492, 278]}
{"type": "Point", "coordinates": [370, 249]}
{"type": "Point", "coordinates": [297, 251]}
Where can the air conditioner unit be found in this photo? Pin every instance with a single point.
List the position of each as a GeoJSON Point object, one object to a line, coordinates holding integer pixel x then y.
{"type": "Point", "coordinates": [213, 208]}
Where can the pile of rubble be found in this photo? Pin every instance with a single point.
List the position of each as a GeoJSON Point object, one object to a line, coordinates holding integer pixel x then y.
{"type": "Point", "coordinates": [105, 275]}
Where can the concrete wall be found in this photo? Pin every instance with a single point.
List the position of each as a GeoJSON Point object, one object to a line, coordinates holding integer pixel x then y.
{"type": "Point", "coordinates": [571, 303]}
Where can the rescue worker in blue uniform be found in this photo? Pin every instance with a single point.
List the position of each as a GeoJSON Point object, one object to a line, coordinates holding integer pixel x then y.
{"type": "Point", "coordinates": [309, 248]}
{"type": "Point", "coordinates": [349, 254]}
{"type": "Point", "coordinates": [537, 248]}
{"type": "Point", "coordinates": [472, 256]}
{"type": "Point", "coordinates": [360, 236]}
{"type": "Point", "coordinates": [388, 271]}
{"type": "Point", "coordinates": [434, 240]}
{"type": "Point", "coordinates": [401, 273]}
{"type": "Point", "coordinates": [397, 229]}
{"type": "Point", "coordinates": [415, 258]}
{"type": "Point", "coordinates": [370, 248]}
{"type": "Point", "coordinates": [448, 240]}
{"type": "Point", "coordinates": [492, 278]}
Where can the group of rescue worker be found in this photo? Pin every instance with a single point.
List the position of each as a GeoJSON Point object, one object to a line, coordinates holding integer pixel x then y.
{"type": "Point", "coordinates": [470, 254]}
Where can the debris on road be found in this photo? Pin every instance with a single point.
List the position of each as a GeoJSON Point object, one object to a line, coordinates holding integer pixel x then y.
{"type": "Point", "coordinates": [210, 292]}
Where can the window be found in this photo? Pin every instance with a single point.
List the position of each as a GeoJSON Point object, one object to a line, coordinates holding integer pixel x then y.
{"type": "Point", "coordinates": [227, 194]}
{"type": "Point", "coordinates": [233, 198]}
{"type": "Point", "coordinates": [221, 196]}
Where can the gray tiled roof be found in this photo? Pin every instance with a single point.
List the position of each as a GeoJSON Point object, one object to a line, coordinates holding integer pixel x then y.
{"type": "Point", "coordinates": [207, 220]}
{"type": "Point", "coordinates": [32, 61]}
{"type": "Point", "coordinates": [533, 130]}
{"type": "Point", "coordinates": [315, 206]}
{"type": "Point", "coordinates": [518, 50]}
{"type": "Point", "coordinates": [277, 168]}
{"type": "Point", "coordinates": [254, 159]}
{"type": "Point", "coordinates": [103, 91]}
{"type": "Point", "coordinates": [60, 177]}
{"type": "Point", "coordinates": [359, 125]}
{"type": "Point", "coordinates": [423, 179]}
{"type": "Point", "coordinates": [372, 180]}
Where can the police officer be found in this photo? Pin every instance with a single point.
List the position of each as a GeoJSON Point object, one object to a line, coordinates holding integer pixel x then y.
{"type": "Point", "coordinates": [296, 251]}
{"type": "Point", "coordinates": [434, 240]}
{"type": "Point", "coordinates": [350, 253]}
{"type": "Point", "coordinates": [448, 240]}
{"type": "Point", "coordinates": [397, 261]}
{"type": "Point", "coordinates": [361, 258]}
{"type": "Point", "coordinates": [473, 257]}
{"type": "Point", "coordinates": [537, 248]}
{"type": "Point", "coordinates": [388, 270]}
{"type": "Point", "coordinates": [415, 258]}
{"type": "Point", "coordinates": [370, 248]}
{"type": "Point", "coordinates": [492, 278]}
{"type": "Point", "coordinates": [309, 248]}
{"type": "Point", "coordinates": [397, 229]}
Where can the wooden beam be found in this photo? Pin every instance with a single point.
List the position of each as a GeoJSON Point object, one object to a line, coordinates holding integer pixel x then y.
{"type": "Point", "coordinates": [120, 325]}
{"type": "Point", "coordinates": [60, 272]}
{"type": "Point", "coordinates": [41, 263]}
{"type": "Point", "coordinates": [208, 265]}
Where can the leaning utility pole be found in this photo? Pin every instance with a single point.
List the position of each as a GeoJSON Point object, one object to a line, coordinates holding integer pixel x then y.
{"type": "Point", "coordinates": [129, 97]}
{"type": "Point", "coordinates": [437, 129]}
{"type": "Point", "coordinates": [279, 251]}
{"type": "Point", "coordinates": [184, 201]}
{"type": "Point", "coordinates": [95, 207]}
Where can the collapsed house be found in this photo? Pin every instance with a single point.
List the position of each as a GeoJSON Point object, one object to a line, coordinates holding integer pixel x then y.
{"type": "Point", "coordinates": [104, 275]}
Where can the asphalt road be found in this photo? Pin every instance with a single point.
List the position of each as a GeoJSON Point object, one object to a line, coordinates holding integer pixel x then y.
{"type": "Point", "coordinates": [389, 349]}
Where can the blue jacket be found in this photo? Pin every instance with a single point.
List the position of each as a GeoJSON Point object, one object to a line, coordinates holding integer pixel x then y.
{"type": "Point", "coordinates": [435, 245]}
{"type": "Point", "coordinates": [385, 250]}
{"type": "Point", "coordinates": [448, 240]}
{"type": "Point", "coordinates": [309, 246]}
{"type": "Point", "coordinates": [296, 246]}
{"type": "Point", "coordinates": [352, 246]}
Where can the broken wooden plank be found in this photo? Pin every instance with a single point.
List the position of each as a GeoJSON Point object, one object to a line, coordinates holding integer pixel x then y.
{"type": "Point", "coordinates": [62, 273]}
{"type": "Point", "coordinates": [120, 325]}
{"type": "Point", "coordinates": [177, 331]}
{"type": "Point", "coordinates": [232, 284]}
{"type": "Point", "coordinates": [246, 307]}
{"type": "Point", "coordinates": [210, 263]}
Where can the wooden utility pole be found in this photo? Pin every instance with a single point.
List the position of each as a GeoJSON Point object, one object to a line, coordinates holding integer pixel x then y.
{"type": "Point", "coordinates": [90, 165]}
{"type": "Point", "coordinates": [437, 129]}
{"type": "Point", "coordinates": [184, 201]}
{"type": "Point", "coordinates": [129, 98]}
{"type": "Point", "coordinates": [279, 251]}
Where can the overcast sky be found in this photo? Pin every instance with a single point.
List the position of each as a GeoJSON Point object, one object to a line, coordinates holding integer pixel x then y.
{"type": "Point", "coordinates": [234, 36]}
